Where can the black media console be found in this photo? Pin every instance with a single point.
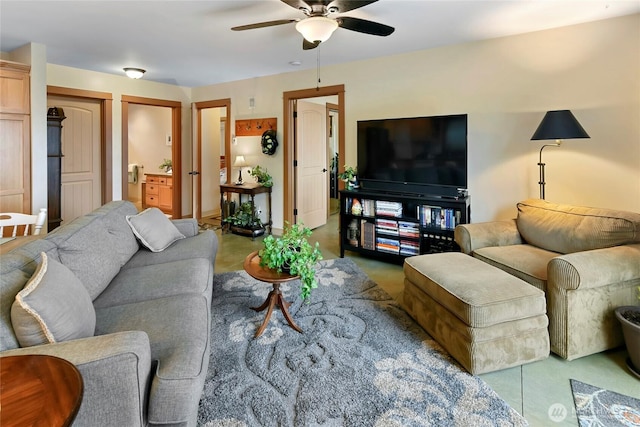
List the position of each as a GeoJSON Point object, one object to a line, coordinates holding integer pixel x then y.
{"type": "Point", "coordinates": [393, 225]}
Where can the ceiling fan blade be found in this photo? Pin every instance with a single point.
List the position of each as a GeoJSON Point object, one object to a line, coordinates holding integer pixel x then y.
{"type": "Point", "coordinates": [364, 26]}
{"type": "Point", "coordinates": [347, 5]}
{"type": "Point", "coordinates": [307, 45]}
{"type": "Point", "coordinates": [264, 24]}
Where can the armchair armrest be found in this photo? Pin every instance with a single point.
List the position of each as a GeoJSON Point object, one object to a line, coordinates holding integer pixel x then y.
{"type": "Point", "coordinates": [187, 226]}
{"type": "Point", "coordinates": [595, 268]}
{"type": "Point", "coordinates": [115, 369]}
{"type": "Point", "coordinates": [471, 237]}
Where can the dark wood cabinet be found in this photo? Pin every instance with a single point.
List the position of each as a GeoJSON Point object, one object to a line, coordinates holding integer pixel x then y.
{"type": "Point", "coordinates": [55, 116]}
{"type": "Point", "coordinates": [394, 226]}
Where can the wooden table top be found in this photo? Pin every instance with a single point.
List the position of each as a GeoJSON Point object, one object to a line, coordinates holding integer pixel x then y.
{"type": "Point", "coordinates": [252, 266]}
{"type": "Point", "coordinates": [39, 390]}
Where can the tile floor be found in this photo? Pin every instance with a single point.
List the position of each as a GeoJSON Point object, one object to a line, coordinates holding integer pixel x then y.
{"type": "Point", "coordinates": [534, 390]}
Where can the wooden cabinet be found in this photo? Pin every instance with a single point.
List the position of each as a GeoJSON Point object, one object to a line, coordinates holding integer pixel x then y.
{"type": "Point", "coordinates": [55, 116]}
{"type": "Point", "coordinates": [15, 137]}
{"type": "Point", "coordinates": [158, 192]}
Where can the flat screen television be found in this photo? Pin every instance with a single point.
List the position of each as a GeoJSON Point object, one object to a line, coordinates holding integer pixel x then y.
{"type": "Point", "coordinates": [414, 155]}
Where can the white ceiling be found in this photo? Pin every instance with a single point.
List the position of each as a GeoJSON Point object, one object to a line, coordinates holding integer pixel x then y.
{"type": "Point", "coordinates": [189, 43]}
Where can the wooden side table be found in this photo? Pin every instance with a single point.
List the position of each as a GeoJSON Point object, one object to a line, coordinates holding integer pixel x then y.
{"type": "Point", "coordinates": [275, 298]}
{"type": "Point", "coordinates": [39, 390]}
{"type": "Point", "coordinates": [250, 189]}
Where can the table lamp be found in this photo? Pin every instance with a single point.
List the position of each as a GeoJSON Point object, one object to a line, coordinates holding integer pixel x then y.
{"type": "Point", "coordinates": [556, 125]}
{"type": "Point", "coordinates": [240, 162]}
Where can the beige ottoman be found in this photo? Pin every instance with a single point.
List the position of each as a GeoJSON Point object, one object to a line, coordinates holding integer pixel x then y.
{"type": "Point", "coordinates": [484, 317]}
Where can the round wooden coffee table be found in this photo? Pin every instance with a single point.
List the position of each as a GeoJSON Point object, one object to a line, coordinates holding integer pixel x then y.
{"type": "Point", "coordinates": [275, 298]}
{"type": "Point", "coordinates": [39, 390]}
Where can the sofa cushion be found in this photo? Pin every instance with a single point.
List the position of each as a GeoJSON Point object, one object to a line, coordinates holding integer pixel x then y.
{"type": "Point", "coordinates": [54, 306]}
{"type": "Point", "coordinates": [203, 245]}
{"type": "Point", "coordinates": [526, 262]}
{"type": "Point", "coordinates": [567, 229]}
{"type": "Point", "coordinates": [180, 346]}
{"type": "Point", "coordinates": [190, 276]}
{"type": "Point", "coordinates": [87, 248]}
{"type": "Point", "coordinates": [154, 230]}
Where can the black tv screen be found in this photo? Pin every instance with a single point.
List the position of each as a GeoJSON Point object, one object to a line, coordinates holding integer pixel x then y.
{"type": "Point", "coordinates": [413, 154]}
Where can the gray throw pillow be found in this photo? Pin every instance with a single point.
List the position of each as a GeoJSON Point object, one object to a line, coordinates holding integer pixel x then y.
{"type": "Point", "coordinates": [54, 306]}
{"type": "Point", "coordinates": [154, 230]}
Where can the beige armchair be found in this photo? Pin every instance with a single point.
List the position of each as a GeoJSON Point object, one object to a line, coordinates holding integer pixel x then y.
{"type": "Point", "coordinates": [586, 260]}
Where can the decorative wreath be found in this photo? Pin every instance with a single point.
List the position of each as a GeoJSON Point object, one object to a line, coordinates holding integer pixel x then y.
{"type": "Point", "coordinates": [269, 142]}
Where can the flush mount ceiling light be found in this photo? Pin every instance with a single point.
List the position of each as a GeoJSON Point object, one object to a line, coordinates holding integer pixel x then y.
{"type": "Point", "coordinates": [317, 28]}
{"type": "Point", "coordinates": [134, 73]}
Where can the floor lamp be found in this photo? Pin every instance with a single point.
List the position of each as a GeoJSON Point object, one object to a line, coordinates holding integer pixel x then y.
{"type": "Point", "coordinates": [556, 125]}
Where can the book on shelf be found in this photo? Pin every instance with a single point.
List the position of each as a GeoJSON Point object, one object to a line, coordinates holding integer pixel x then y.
{"type": "Point", "coordinates": [439, 217]}
{"type": "Point", "coordinates": [387, 208]}
{"type": "Point", "coordinates": [368, 235]}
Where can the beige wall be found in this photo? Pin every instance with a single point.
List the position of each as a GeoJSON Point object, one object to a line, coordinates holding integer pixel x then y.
{"type": "Point", "coordinates": [505, 85]}
{"type": "Point", "coordinates": [119, 85]}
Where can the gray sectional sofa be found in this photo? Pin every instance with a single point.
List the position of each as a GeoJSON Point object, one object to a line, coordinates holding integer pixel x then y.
{"type": "Point", "coordinates": [145, 362]}
{"type": "Point", "coordinates": [586, 260]}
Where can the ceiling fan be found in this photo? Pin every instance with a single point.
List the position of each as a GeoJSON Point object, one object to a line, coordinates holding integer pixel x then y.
{"type": "Point", "coordinates": [317, 26]}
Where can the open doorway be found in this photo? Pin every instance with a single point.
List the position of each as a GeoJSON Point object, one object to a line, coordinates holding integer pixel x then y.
{"type": "Point", "coordinates": [211, 158]}
{"type": "Point", "coordinates": [163, 185]}
{"type": "Point", "coordinates": [290, 156]}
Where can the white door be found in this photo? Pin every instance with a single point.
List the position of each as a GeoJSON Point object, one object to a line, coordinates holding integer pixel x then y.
{"type": "Point", "coordinates": [311, 171]}
{"type": "Point", "coordinates": [81, 182]}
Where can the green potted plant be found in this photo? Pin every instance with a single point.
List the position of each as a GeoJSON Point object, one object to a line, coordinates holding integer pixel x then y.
{"type": "Point", "coordinates": [262, 176]}
{"type": "Point", "coordinates": [244, 221]}
{"type": "Point", "coordinates": [629, 317]}
{"type": "Point", "coordinates": [293, 254]}
{"type": "Point", "coordinates": [350, 176]}
{"type": "Point", "coordinates": [166, 165]}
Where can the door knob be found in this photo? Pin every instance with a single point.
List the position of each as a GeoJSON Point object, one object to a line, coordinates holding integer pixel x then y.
{"type": "Point", "coordinates": [194, 173]}
{"type": "Point", "coordinates": [324, 170]}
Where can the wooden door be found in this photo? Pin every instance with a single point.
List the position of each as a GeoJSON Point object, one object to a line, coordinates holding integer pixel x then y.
{"type": "Point", "coordinates": [211, 147]}
{"type": "Point", "coordinates": [311, 170]}
{"type": "Point", "coordinates": [15, 138]}
{"type": "Point", "coordinates": [81, 177]}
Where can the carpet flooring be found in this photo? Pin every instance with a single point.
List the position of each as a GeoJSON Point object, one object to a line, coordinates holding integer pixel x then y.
{"type": "Point", "coordinates": [599, 407]}
{"type": "Point", "coordinates": [361, 361]}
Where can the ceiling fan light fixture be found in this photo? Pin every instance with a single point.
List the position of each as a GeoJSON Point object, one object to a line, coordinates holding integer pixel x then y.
{"type": "Point", "coordinates": [134, 73]}
{"type": "Point", "coordinates": [317, 28]}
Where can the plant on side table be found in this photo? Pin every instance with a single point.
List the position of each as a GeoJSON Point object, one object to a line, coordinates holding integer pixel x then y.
{"type": "Point", "coordinates": [629, 317]}
{"type": "Point", "coordinates": [262, 176]}
{"type": "Point", "coordinates": [293, 254]}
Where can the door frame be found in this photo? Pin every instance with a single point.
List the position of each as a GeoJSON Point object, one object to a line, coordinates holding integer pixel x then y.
{"type": "Point", "coordinates": [106, 132]}
{"type": "Point", "coordinates": [289, 138]}
{"type": "Point", "coordinates": [176, 146]}
{"type": "Point", "coordinates": [199, 106]}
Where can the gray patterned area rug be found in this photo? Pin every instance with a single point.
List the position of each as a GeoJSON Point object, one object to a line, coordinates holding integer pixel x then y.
{"type": "Point", "coordinates": [361, 361]}
{"type": "Point", "coordinates": [596, 406]}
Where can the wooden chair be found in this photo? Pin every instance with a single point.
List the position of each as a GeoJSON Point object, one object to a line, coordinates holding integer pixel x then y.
{"type": "Point", "coordinates": [15, 221]}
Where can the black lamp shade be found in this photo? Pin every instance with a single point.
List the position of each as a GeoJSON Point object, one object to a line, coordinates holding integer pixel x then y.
{"type": "Point", "coordinates": [560, 124]}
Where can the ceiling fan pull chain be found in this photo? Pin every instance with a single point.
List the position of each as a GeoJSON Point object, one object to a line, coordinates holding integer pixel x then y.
{"type": "Point", "coordinates": [318, 68]}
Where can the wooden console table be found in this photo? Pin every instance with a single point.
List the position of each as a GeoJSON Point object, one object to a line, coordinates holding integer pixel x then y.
{"type": "Point", "coordinates": [39, 390]}
{"type": "Point", "coordinates": [250, 189]}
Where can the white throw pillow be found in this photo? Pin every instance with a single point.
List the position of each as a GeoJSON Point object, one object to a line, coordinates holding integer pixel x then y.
{"type": "Point", "coordinates": [154, 230]}
{"type": "Point", "coordinates": [54, 306]}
